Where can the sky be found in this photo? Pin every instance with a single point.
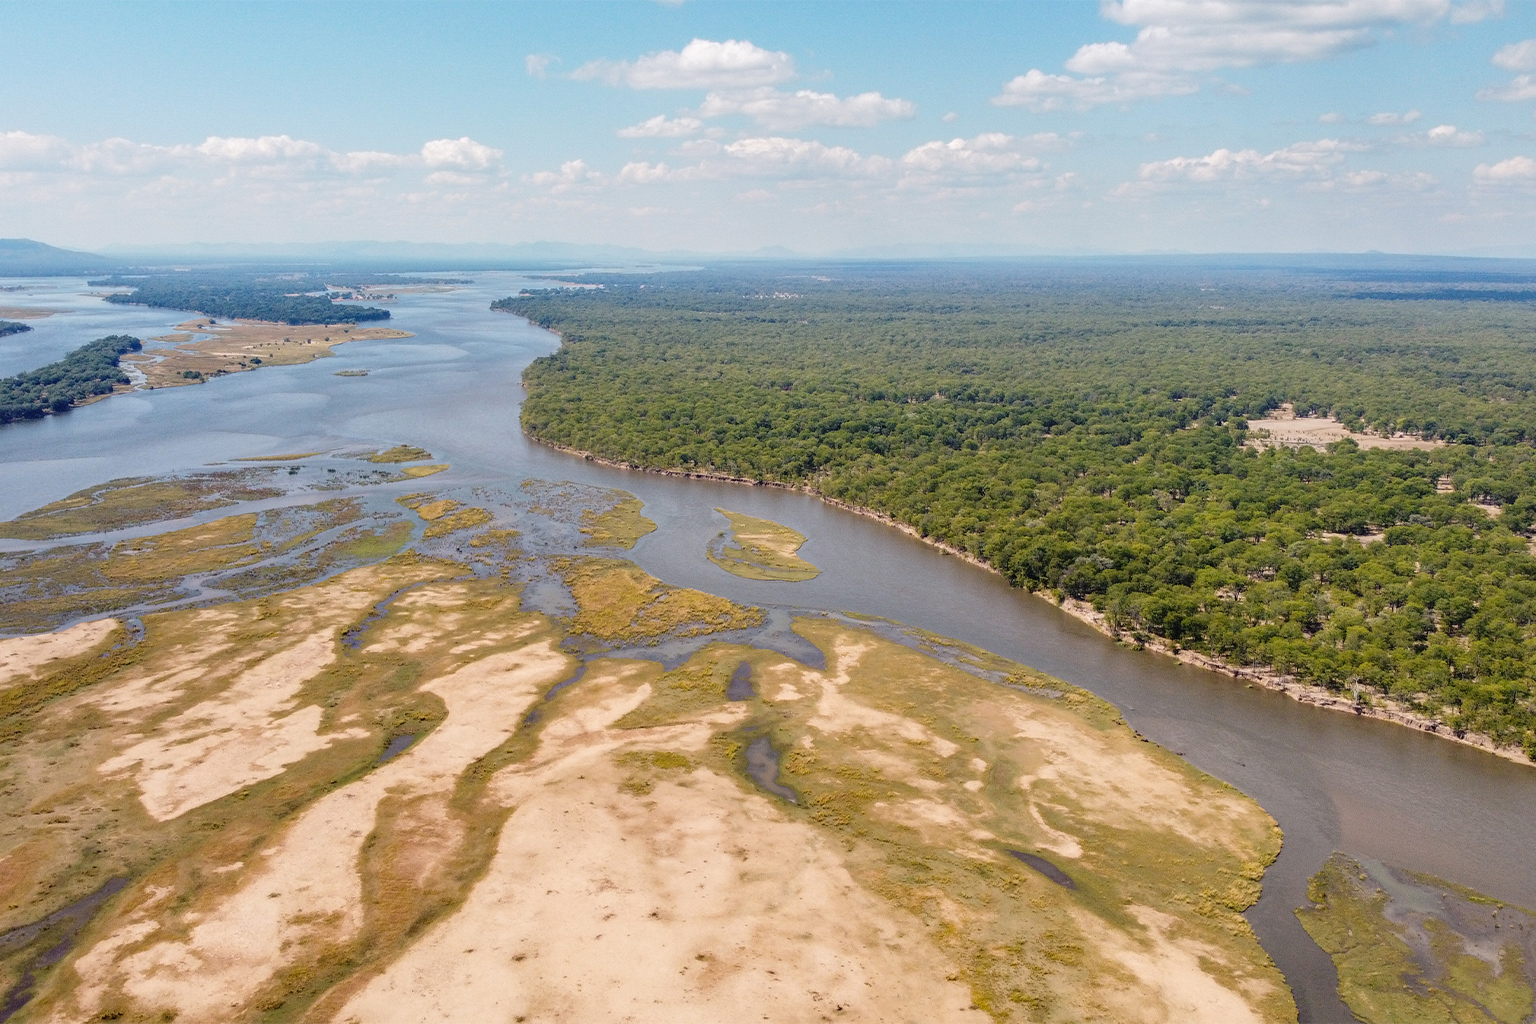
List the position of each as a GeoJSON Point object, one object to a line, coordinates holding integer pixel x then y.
{"type": "Point", "coordinates": [1122, 127]}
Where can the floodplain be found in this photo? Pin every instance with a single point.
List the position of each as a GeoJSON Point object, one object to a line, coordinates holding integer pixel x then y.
{"type": "Point", "coordinates": [406, 787]}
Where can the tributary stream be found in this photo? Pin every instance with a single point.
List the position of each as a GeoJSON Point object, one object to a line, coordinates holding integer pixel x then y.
{"type": "Point", "coordinates": [1333, 781]}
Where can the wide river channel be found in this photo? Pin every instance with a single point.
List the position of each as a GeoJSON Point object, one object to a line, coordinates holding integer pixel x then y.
{"type": "Point", "coordinates": [1332, 781]}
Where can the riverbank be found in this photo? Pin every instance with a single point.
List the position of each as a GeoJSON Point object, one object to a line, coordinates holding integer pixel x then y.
{"type": "Point", "coordinates": [1378, 707]}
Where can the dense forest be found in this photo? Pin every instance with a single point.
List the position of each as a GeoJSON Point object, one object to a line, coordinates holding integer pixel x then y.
{"type": "Point", "coordinates": [1083, 431]}
{"type": "Point", "coordinates": [12, 327]}
{"type": "Point", "coordinates": [286, 301]}
{"type": "Point", "coordinates": [88, 371]}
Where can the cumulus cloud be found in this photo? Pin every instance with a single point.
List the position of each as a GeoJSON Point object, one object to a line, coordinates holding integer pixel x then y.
{"type": "Point", "coordinates": [571, 174]}
{"type": "Point", "coordinates": [1516, 90]}
{"type": "Point", "coordinates": [1039, 92]}
{"type": "Point", "coordinates": [464, 154]}
{"type": "Point", "coordinates": [23, 151]}
{"type": "Point", "coordinates": [263, 156]}
{"type": "Point", "coordinates": [641, 173]}
{"type": "Point", "coordinates": [538, 64]}
{"type": "Point", "coordinates": [663, 127]}
{"type": "Point", "coordinates": [1519, 56]}
{"type": "Point", "coordinates": [1515, 170]}
{"type": "Point", "coordinates": [987, 155]}
{"type": "Point", "coordinates": [777, 155]}
{"type": "Point", "coordinates": [1204, 35]}
{"type": "Point", "coordinates": [1177, 39]}
{"type": "Point", "coordinates": [777, 110]}
{"type": "Point", "coordinates": [1447, 135]}
{"type": "Point", "coordinates": [1299, 160]}
{"type": "Point", "coordinates": [702, 64]}
{"type": "Point", "coordinates": [1390, 117]}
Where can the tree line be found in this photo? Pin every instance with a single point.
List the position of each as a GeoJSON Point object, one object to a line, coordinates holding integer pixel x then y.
{"type": "Point", "coordinates": [88, 371]}
{"type": "Point", "coordinates": [273, 300]}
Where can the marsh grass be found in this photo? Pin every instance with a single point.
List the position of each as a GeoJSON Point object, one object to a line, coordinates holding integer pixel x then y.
{"type": "Point", "coordinates": [763, 550]}
{"type": "Point", "coordinates": [619, 526]}
{"type": "Point", "coordinates": [135, 501]}
{"type": "Point", "coordinates": [620, 603]}
{"type": "Point", "coordinates": [401, 453]}
{"type": "Point", "coordinates": [1398, 961]}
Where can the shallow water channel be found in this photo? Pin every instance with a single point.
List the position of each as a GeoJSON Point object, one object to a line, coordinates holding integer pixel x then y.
{"type": "Point", "coordinates": [1332, 781]}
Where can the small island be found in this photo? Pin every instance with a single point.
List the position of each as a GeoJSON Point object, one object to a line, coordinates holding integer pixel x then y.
{"type": "Point", "coordinates": [243, 345]}
{"type": "Point", "coordinates": [762, 550]}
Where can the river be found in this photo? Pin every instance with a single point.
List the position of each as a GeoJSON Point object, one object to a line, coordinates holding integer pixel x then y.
{"type": "Point", "coordinates": [1331, 780]}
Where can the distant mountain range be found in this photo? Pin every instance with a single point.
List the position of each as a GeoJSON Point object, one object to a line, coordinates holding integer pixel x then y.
{"type": "Point", "coordinates": [22, 257]}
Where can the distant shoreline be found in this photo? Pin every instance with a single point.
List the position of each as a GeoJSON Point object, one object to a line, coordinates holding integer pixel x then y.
{"type": "Point", "coordinates": [1384, 708]}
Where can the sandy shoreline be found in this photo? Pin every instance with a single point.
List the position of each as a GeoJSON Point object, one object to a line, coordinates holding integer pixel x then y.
{"type": "Point", "coordinates": [1381, 707]}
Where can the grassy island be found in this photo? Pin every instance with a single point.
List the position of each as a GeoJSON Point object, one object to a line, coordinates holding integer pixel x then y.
{"type": "Point", "coordinates": [761, 549]}
{"type": "Point", "coordinates": [1087, 433]}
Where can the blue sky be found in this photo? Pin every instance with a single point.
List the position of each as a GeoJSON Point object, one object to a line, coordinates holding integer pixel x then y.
{"type": "Point", "coordinates": [1127, 126]}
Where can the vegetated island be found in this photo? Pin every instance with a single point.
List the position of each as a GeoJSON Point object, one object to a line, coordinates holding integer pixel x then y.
{"type": "Point", "coordinates": [12, 327]}
{"type": "Point", "coordinates": [1086, 434]}
{"type": "Point", "coordinates": [84, 375]}
{"type": "Point", "coordinates": [300, 802]}
{"type": "Point", "coordinates": [761, 549]}
{"type": "Point", "coordinates": [282, 302]}
{"type": "Point", "coordinates": [243, 345]}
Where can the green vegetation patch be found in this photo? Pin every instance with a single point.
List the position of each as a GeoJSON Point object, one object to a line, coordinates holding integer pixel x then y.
{"type": "Point", "coordinates": [12, 327]}
{"type": "Point", "coordinates": [135, 501]}
{"type": "Point", "coordinates": [1412, 949]}
{"type": "Point", "coordinates": [90, 371]}
{"type": "Point", "coordinates": [1084, 433]}
{"type": "Point", "coordinates": [763, 550]}
{"type": "Point", "coordinates": [617, 527]}
{"type": "Point", "coordinates": [620, 603]}
{"type": "Point", "coordinates": [245, 299]}
{"type": "Point", "coordinates": [401, 453]}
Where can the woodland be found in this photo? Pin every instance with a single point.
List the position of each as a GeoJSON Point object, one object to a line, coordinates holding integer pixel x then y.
{"type": "Point", "coordinates": [1085, 431]}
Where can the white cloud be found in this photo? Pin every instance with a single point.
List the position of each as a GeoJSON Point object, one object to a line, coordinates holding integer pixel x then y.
{"type": "Point", "coordinates": [1515, 170]}
{"type": "Point", "coordinates": [1517, 90]}
{"type": "Point", "coordinates": [1447, 135]}
{"type": "Point", "coordinates": [950, 118]}
{"type": "Point", "coordinates": [22, 151]}
{"type": "Point", "coordinates": [1204, 35]}
{"type": "Point", "coordinates": [1519, 56]}
{"type": "Point", "coordinates": [571, 174]}
{"type": "Point", "coordinates": [1332, 117]}
{"type": "Point", "coordinates": [1299, 160]}
{"type": "Point", "coordinates": [538, 64]}
{"type": "Point", "coordinates": [663, 127]}
{"type": "Point", "coordinates": [1181, 38]}
{"type": "Point", "coordinates": [1390, 117]}
{"type": "Point", "coordinates": [1039, 92]}
{"type": "Point", "coordinates": [702, 64]}
{"type": "Point", "coordinates": [463, 154]}
{"type": "Point", "coordinates": [641, 173]}
{"type": "Point", "coordinates": [776, 155]}
{"type": "Point", "coordinates": [990, 154]}
{"type": "Point", "coordinates": [268, 149]}
{"type": "Point", "coordinates": [783, 111]}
